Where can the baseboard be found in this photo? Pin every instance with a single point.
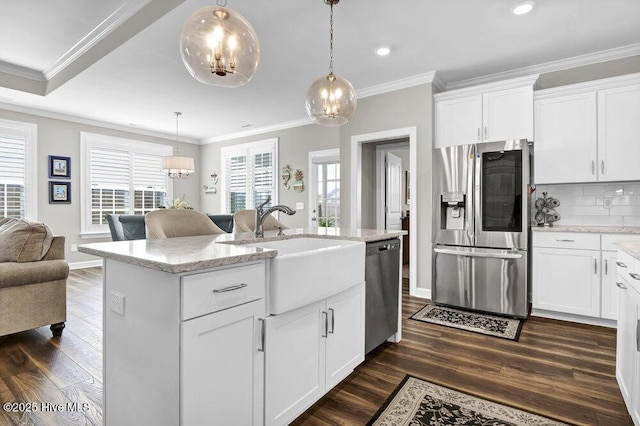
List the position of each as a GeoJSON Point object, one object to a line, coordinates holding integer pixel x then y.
{"type": "Point", "coordinates": [423, 293]}
{"type": "Point", "coordinates": [86, 264]}
{"type": "Point", "coordinates": [574, 318]}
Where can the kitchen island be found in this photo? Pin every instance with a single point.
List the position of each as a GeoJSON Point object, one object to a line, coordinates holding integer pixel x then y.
{"type": "Point", "coordinates": [190, 334]}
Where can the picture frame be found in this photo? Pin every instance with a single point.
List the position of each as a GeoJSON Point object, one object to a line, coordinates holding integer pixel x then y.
{"type": "Point", "coordinates": [59, 192]}
{"type": "Point", "coordinates": [59, 167]}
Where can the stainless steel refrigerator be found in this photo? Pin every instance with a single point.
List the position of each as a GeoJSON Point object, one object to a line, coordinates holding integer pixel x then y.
{"type": "Point", "coordinates": [481, 221]}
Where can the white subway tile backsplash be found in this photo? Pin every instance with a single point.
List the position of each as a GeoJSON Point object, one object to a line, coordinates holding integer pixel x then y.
{"type": "Point", "coordinates": [583, 204]}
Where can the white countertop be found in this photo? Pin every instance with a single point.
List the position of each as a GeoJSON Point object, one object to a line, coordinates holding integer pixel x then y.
{"type": "Point", "coordinates": [629, 247]}
{"type": "Point", "coordinates": [186, 254]}
{"type": "Point", "coordinates": [588, 229]}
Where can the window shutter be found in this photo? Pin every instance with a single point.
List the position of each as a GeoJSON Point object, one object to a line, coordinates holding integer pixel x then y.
{"type": "Point", "coordinates": [236, 183]}
{"type": "Point", "coordinates": [12, 177]}
{"type": "Point", "coordinates": [110, 168]}
{"type": "Point", "coordinates": [147, 173]}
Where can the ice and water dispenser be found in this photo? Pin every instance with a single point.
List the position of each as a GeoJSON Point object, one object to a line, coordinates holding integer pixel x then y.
{"type": "Point", "coordinates": [452, 206]}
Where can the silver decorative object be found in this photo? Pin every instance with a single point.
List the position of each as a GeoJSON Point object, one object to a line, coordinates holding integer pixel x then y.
{"type": "Point", "coordinates": [546, 213]}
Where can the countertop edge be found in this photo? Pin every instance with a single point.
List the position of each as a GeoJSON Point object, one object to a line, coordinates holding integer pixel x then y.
{"type": "Point", "coordinates": [588, 229]}
{"type": "Point", "coordinates": [632, 248]}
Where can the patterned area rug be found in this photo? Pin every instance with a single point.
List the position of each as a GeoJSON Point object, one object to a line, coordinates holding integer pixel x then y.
{"type": "Point", "coordinates": [418, 402]}
{"type": "Point", "coordinates": [491, 325]}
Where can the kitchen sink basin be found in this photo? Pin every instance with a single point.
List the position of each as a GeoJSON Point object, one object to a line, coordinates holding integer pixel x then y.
{"type": "Point", "coordinates": [310, 269]}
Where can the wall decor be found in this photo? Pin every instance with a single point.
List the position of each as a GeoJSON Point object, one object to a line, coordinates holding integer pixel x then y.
{"type": "Point", "coordinates": [59, 167]}
{"type": "Point", "coordinates": [546, 213]}
{"type": "Point", "coordinates": [286, 176]}
{"type": "Point", "coordinates": [298, 185]}
{"type": "Point", "coordinates": [212, 189]}
{"type": "Point", "coordinates": [59, 192]}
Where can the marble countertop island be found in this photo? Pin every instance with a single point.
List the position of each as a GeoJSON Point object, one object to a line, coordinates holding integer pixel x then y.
{"type": "Point", "coordinates": [186, 254]}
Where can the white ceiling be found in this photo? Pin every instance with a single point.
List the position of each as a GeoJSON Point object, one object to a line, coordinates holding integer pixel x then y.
{"type": "Point", "coordinates": [113, 62]}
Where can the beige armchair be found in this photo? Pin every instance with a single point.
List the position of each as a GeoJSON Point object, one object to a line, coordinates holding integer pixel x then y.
{"type": "Point", "coordinates": [33, 287]}
{"type": "Point", "coordinates": [171, 223]}
{"type": "Point", "coordinates": [245, 221]}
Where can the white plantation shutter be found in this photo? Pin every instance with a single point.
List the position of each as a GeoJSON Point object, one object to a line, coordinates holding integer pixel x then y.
{"type": "Point", "coordinates": [124, 177]}
{"type": "Point", "coordinates": [249, 176]}
{"type": "Point", "coordinates": [12, 177]}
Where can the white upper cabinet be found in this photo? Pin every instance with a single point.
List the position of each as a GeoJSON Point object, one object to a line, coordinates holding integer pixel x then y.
{"type": "Point", "coordinates": [565, 139]}
{"type": "Point", "coordinates": [588, 132]}
{"type": "Point", "coordinates": [619, 133]}
{"type": "Point", "coordinates": [490, 112]}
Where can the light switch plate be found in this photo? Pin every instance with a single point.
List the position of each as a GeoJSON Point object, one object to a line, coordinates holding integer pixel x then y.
{"type": "Point", "coordinates": [300, 205]}
{"type": "Point", "coordinates": [608, 202]}
{"type": "Point", "coordinates": [117, 303]}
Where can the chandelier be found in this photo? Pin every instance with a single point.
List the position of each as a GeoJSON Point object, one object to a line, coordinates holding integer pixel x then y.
{"type": "Point", "coordinates": [175, 166]}
{"type": "Point", "coordinates": [219, 47]}
{"type": "Point", "coordinates": [331, 100]}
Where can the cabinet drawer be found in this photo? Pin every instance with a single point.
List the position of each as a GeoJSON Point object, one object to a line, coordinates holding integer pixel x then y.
{"type": "Point", "coordinates": [608, 240]}
{"type": "Point", "coordinates": [572, 240]}
{"type": "Point", "coordinates": [213, 291]}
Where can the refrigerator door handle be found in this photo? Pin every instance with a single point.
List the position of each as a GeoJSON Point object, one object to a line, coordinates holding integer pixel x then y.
{"type": "Point", "coordinates": [478, 254]}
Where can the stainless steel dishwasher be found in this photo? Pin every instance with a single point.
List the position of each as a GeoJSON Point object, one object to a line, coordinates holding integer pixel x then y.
{"type": "Point", "coordinates": [382, 275]}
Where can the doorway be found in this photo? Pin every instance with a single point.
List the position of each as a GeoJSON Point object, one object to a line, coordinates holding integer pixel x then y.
{"type": "Point", "coordinates": [324, 189]}
{"type": "Point", "coordinates": [367, 185]}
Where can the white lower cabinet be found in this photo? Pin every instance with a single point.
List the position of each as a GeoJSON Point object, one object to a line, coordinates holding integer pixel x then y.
{"type": "Point", "coordinates": [628, 345]}
{"type": "Point", "coordinates": [566, 280]}
{"type": "Point", "coordinates": [223, 367]}
{"type": "Point", "coordinates": [609, 292]}
{"type": "Point", "coordinates": [309, 350]}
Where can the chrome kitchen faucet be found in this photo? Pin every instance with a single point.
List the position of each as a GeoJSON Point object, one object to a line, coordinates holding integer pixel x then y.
{"type": "Point", "coordinates": [261, 215]}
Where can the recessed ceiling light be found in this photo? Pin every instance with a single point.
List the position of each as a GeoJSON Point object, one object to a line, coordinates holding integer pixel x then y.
{"type": "Point", "coordinates": [523, 8]}
{"type": "Point", "coordinates": [383, 51]}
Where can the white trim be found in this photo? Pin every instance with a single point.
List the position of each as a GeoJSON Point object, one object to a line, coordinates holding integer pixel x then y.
{"type": "Point", "coordinates": [20, 71]}
{"type": "Point", "coordinates": [588, 86]}
{"type": "Point", "coordinates": [528, 80]}
{"type": "Point", "coordinates": [392, 86]}
{"type": "Point", "coordinates": [562, 64]}
{"type": "Point", "coordinates": [326, 154]}
{"type": "Point", "coordinates": [90, 122]}
{"type": "Point", "coordinates": [356, 187]}
{"type": "Point", "coordinates": [97, 34]}
{"type": "Point", "coordinates": [94, 235]}
{"type": "Point", "coordinates": [258, 131]}
{"type": "Point", "coordinates": [424, 293]}
{"type": "Point", "coordinates": [29, 132]}
{"type": "Point", "coordinates": [85, 264]}
{"type": "Point", "coordinates": [573, 318]}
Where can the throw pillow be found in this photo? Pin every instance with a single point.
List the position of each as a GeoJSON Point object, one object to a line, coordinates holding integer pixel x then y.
{"type": "Point", "coordinates": [23, 241]}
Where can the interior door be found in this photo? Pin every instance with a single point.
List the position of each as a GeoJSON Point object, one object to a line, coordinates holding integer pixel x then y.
{"type": "Point", "coordinates": [393, 192]}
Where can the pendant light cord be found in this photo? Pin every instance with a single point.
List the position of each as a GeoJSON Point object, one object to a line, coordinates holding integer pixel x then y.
{"type": "Point", "coordinates": [331, 39]}
{"type": "Point", "coordinates": [178, 114]}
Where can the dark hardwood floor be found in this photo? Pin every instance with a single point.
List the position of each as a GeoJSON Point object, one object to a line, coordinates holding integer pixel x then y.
{"type": "Point", "coordinates": [557, 369]}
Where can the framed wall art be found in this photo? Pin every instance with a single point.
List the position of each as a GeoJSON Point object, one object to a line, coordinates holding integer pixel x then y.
{"type": "Point", "coordinates": [59, 167]}
{"type": "Point", "coordinates": [59, 192]}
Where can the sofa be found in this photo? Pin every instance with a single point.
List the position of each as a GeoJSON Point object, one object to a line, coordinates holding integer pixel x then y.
{"type": "Point", "coordinates": [33, 277]}
{"type": "Point", "coordinates": [125, 227]}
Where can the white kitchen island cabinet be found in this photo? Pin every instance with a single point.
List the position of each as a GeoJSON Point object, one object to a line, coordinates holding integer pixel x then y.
{"type": "Point", "coordinates": [311, 349]}
{"type": "Point", "coordinates": [628, 337]}
{"type": "Point", "coordinates": [588, 132]}
{"type": "Point", "coordinates": [490, 112]}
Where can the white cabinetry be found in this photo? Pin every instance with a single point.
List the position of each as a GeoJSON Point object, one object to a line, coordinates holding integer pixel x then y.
{"type": "Point", "coordinates": [187, 345]}
{"type": "Point", "coordinates": [309, 350]}
{"type": "Point", "coordinates": [628, 347]}
{"type": "Point", "coordinates": [588, 132]}
{"type": "Point", "coordinates": [489, 112]}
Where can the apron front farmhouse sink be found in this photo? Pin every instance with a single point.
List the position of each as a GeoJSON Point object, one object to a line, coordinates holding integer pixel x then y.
{"type": "Point", "coordinates": [310, 269]}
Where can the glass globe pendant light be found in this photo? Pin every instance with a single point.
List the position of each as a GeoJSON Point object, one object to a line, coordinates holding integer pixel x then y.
{"type": "Point", "coordinates": [219, 47]}
{"type": "Point", "coordinates": [331, 100]}
{"type": "Point", "coordinates": [175, 166]}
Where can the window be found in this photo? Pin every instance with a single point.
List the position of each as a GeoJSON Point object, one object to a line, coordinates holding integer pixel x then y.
{"type": "Point", "coordinates": [17, 174]}
{"type": "Point", "coordinates": [249, 177]}
{"type": "Point", "coordinates": [328, 194]}
{"type": "Point", "coordinates": [120, 176]}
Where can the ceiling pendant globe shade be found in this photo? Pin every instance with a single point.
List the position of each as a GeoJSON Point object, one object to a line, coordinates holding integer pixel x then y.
{"type": "Point", "coordinates": [175, 166]}
{"type": "Point", "coordinates": [331, 100]}
{"type": "Point", "coordinates": [219, 47]}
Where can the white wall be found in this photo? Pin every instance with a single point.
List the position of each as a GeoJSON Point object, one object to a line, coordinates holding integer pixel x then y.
{"type": "Point", "coordinates": [59, 137]}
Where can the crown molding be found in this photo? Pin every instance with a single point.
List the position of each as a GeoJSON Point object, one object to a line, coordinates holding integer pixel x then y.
{"type": "Point", "coordinates": [257, 131]}
{"type": "Point", "coordinates": [101, 31]}
{"type": "Point", "coordinates": [90, 122]}
{"type": "Point", "coordinates": [391, 86]}
{"type": "Point", "coordinates": [527, 80]}
{"type": "Point", "coordinates": [562, 64]}
{"type": "Point", "coordinates": [588, 86]}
